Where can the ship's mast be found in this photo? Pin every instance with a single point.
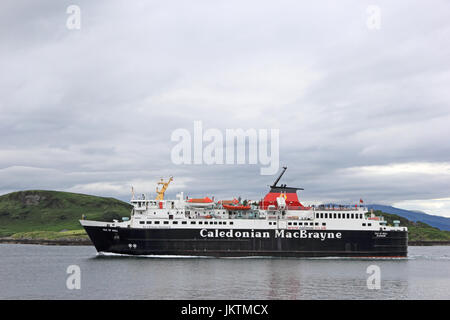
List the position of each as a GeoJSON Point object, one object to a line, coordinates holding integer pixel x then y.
{"type": "Point", "coordinates": [282, 187]}
{"type": "Point", "coordinates": [279, 177]}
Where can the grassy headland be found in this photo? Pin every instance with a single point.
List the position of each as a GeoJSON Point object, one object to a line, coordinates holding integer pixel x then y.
{"type": "Point", "coordinates": [53, 214]}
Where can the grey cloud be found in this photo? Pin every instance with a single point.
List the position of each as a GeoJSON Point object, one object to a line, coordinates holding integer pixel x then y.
{"type": "Point", "coordinates": [82, 110]}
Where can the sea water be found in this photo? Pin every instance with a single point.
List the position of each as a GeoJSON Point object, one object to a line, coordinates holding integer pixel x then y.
{"type": "Point", "coordinates": [43, 272]}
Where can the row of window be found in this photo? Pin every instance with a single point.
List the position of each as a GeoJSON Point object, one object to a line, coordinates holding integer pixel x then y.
{"type": "Point", "coordinates": [191, 222]}
{"type": "Point", "coordinates": [305, 224]}
{"type": "Point", "coordinates": [339, 215]}
{"type": "Point", "coordinates": [153, 203]}
{"type": "Point", "coordinates": [231, 223]}
{"type": "Point", "coordinates": [188, 212]}
{"type": "Point", "coordinates": [299, 223]}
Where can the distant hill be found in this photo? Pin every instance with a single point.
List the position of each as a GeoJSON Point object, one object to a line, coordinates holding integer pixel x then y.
{"type": "Point", "coordinates": [39, 210]}
{"type": "Point", "coordinates": [434, 221]}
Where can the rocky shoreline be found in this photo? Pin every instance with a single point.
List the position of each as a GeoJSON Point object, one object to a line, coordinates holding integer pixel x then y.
{"type": "Point", "coordinates": [48, 242]}
{"type": "Point", "coordinates": [429, 243]}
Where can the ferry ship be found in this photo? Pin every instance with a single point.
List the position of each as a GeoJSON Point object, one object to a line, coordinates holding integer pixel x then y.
{"type": "Point", "coordinates": [277, 226]}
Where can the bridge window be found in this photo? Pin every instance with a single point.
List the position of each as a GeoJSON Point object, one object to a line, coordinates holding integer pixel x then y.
{"type": "Point", "coordinates": [156, 222]}
{"type": "Point", "coordinates": [166, 222]}
{"type": "Point", "coordinates": [141, 222]}
{"type": "Point", "coordinates": [334, 215]}
{"type": "Point", "coordinates": [192, 222]}
{"type": "Point", "coordinates": [324, 223]}
{"type": "Point", "coordinates": [183, 222]}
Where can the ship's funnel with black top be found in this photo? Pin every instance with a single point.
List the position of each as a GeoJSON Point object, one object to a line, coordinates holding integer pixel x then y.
{"type": "Point", "coordinates": [288, 193]}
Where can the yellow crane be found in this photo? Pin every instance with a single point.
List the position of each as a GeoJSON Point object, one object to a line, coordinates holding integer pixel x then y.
{"type": "Point", "coordinates": [165, 185]}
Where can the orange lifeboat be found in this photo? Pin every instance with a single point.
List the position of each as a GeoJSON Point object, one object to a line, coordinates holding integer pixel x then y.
{"type": "Point", "coordinates": [230, 207]}
{"type": "Point", "coordinates": [202, 202]}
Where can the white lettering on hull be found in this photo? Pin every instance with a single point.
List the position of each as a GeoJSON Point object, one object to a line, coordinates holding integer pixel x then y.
{"type": "Point", "coordinates": [301, 234]}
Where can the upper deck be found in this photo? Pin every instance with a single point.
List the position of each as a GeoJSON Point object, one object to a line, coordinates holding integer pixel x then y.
{"type": "Point", "coordinates": [181, 214]}
{"type": "Point", "coordinates": [280, 208]}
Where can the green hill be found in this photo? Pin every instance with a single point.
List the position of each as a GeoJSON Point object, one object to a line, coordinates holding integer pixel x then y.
{"type": "Point", "coordinates": [417, 231]}
{"type": "Point", "coordinates": [36, 211]}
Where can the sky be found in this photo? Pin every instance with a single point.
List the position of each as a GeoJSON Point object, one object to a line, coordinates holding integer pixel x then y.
{"type": "Point", "coordinates": [362, 108]}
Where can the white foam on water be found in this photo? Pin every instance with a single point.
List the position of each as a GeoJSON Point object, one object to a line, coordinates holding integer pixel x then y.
{"type": "Point", "coordinates": [427, 257]}
{"type": "Point", "coordinates": [111, 254]}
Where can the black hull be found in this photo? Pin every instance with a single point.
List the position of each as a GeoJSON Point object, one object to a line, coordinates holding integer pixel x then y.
{"type": "Point", "coordinates": [190, 242]}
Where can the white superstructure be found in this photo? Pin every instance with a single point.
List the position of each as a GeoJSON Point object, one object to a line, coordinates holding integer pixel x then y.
{"type": "Point", "coordinates": [179, 213]}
